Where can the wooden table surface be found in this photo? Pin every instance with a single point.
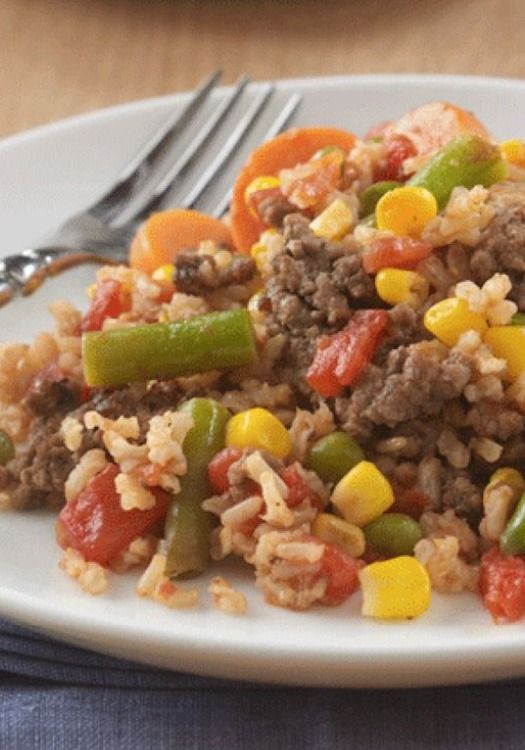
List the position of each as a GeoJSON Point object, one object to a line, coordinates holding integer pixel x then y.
{"type": "Point", "coordinates": [62, 57]}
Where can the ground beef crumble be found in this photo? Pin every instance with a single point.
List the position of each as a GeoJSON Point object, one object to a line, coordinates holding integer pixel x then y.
{"type": "Point", "coordinates": [502, 245]}
{"type": "Point", "coordinates": [198, 274]}
{"type": "Point", "coordinates": [315, 287]}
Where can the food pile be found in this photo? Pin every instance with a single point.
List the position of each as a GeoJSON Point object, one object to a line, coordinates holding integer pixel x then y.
{"type": "Point", "coordinates": [329, 385]}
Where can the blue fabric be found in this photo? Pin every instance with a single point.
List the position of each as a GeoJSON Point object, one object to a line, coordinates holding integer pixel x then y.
{"type": "Point", "coordinates": [55, 696]}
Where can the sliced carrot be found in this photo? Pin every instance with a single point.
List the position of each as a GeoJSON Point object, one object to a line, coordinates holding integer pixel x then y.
{"type": "Point", "coordinates": [283, 152]}
{"type": "Point", "coordinates": [433, 125]}
{"type": "Point", "coordinates": [160, 237]}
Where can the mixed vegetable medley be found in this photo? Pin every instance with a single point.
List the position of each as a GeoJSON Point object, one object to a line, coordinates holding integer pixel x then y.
{"type": "Point", "coordinates": [329, 384]}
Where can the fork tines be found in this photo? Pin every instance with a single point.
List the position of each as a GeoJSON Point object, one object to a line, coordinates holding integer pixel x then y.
{"type": "Point", "coordinates": [188, 154]}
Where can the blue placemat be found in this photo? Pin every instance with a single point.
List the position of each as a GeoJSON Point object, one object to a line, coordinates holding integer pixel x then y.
{"type": "Point", "coordinates": [57, 696]}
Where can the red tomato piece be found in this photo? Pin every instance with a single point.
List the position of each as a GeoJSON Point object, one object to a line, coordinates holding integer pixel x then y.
{"type": "Point", "coordinates": [312, 189]}
{"type": "Point", "coordinates": [341, 357]}
{"type": "Point", "coordinates": [108, 302]}
{"type": "Point", "coordinates": [410, 501]}
{"type": "Point", "coordinates": [395, 252]}
{"type": "Point", "coordinates": [340, 570]}
{"type": "Point", "coordinates": [398, 148]}
{"type": "Point", "coordinates": [299, 490]}
{"type": "Point", "coordinates": [95, 524]}
{"type": "Point", "coordinates": [219, 466]}
{"type": "Point", "coordinates": [85, 393]}
{"type": "Point", "coordinates": [502, 585]}
{"type": "Point", "coordinates": [248, 527]}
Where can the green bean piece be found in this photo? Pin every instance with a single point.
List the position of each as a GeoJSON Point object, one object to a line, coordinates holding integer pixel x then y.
{"type": "Point", "coordinates": [332, 456]}
{"type": "Point", "coordinates": [393, 533]}
{"type": "Point", "coordinates": [215, 341]}
{"type": "Point", "coordinates": [466, 160]}
{"type": "Point", "coordinates": [7, 449]}
{"type": "Point", "coordinates": [518, 319]}
{"type": "Point", "coordinates": [370, 197]}
{"type": "Point", "coordinates": [188, 526]}
{"type": "Point", "coordinates": [512, 539]}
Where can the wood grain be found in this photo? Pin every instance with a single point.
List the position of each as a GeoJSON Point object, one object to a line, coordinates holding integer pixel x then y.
{"type": "Point", "coordinates": [62, 57]}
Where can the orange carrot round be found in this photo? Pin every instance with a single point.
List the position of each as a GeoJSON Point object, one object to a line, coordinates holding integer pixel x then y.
{"type": "Point", "coordinates": [283, 152]}
{"type": "Point", "coordinates": [160, 237]}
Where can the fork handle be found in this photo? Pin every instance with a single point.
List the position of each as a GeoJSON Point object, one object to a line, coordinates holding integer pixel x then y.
{"type": "Point", "coordinates": [25, 271]}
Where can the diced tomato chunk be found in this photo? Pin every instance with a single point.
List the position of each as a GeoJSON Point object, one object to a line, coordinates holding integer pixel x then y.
{"type": "Point", "coordinates": [166, 292]}
{"type": "Point", "coordinates": [502, 585]}
{"type": "Point", "coordinates": [340, 570]}
{"type": "Point", "coordinates": [410, 501]}
{"type": "Point", "coordinates": [248, 527]}
{"type": "Point", "coordinates": [95, 524]}
{"type": "Point", "coordinates": [341, 357]}
{"type": "Point", "coordinates": [299, 490]}
{"type": "Point", "coordinates": [398, 148]}
{"type": "Point", "coordinates": [219, 466]}
{"type": "Point", "coordinates": [108, 302]}
{"type": "Point", "coordinates": [85, 393]}
{"type": "Point", "coordinates": [395, 252]}
{"type": "Point", "coordinates": [315, 181]}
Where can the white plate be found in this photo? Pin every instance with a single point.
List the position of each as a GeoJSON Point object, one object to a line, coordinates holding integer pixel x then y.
{"type": "Point", "coordinates": [50, 172]}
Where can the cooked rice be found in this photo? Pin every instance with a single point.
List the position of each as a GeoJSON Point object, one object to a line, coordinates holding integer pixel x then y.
{"type": "Point", "coordinates": [182, 307]}
{"type": "Point", "coordinates": [456, 452]}
{"type": "Point", "coordinates": [447, 571]}
{"type": "Point", "coordinates": [157, 586]}
{"type": "Point", "coordinates": [470, 344]}
{"type": "Point", "coordinates": [499, 500]}
{"type": "Point", "coordinates": [225, 597]}
{"type": "Point", "coordinates": [274, 491]}
{"type": "Point", "coordinates": [133, 495]}
{"type": "Point", "coordinates": [294, 582]}
{"type": "Point", "coordinates": [489, 450]}
{"type": "Point", "coordinates": [490, 299]}
{"type": "Point", "coordinates": [463, 219]}
{"type": "Point", "coordinates": [72, 429]}
{"type": "Point", "coordinates": [92, 463]}
{"type": "Point", "coordinates": [164, 442]}
{"type": "Point", "coordinates": [364, 158]}
{"type": "Point", "coordinates": [138, 553]}
{"type": "Point", "coordinates": [91, 576]}
{"type": "Point", "coordinates": [307, 427]}
{"type": "Point", "coordinates": [277, 398]}
{"type": "Point", "coordinates": [436, 525]}
{"type": "Point", "coordinates": [241, 512]}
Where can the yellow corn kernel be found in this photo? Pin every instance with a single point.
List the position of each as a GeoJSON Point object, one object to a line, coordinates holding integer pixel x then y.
{"type": "Point", "coordinates": [514, 152]}
{"type": "Point", "coordinates": [508, 342]}
{"type": "Point", "coordinates": [451, 317]}
{"type": "Point", "coordinates": [90, 291]}
{"type": "Point", "coordinates": [406, 210]}
{"type": "Point", "coordinates": [334, 222]}
{"type": "Point", "coordinates": [399, 587]}
{"type": "Point", "coordinates": [394, 285]}
{"type": "Point", "coordinates": [265, 182]}
{"type": "Point", "coordinates": [509, 476]}
{"type": "Point", "coordinates": [334, 530]}
{"type": "Point", "coordinates": [258, 428]}
{"type": "Point", "coordinates": [363, 494]}
{"type": "Point", "coordinates": [258, 252]}
{"type": "Point", "coordinates": [164, 273]}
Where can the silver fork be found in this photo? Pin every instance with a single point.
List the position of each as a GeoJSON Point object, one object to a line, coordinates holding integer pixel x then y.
{"type": "Point", "coordinates": [100, 234]}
